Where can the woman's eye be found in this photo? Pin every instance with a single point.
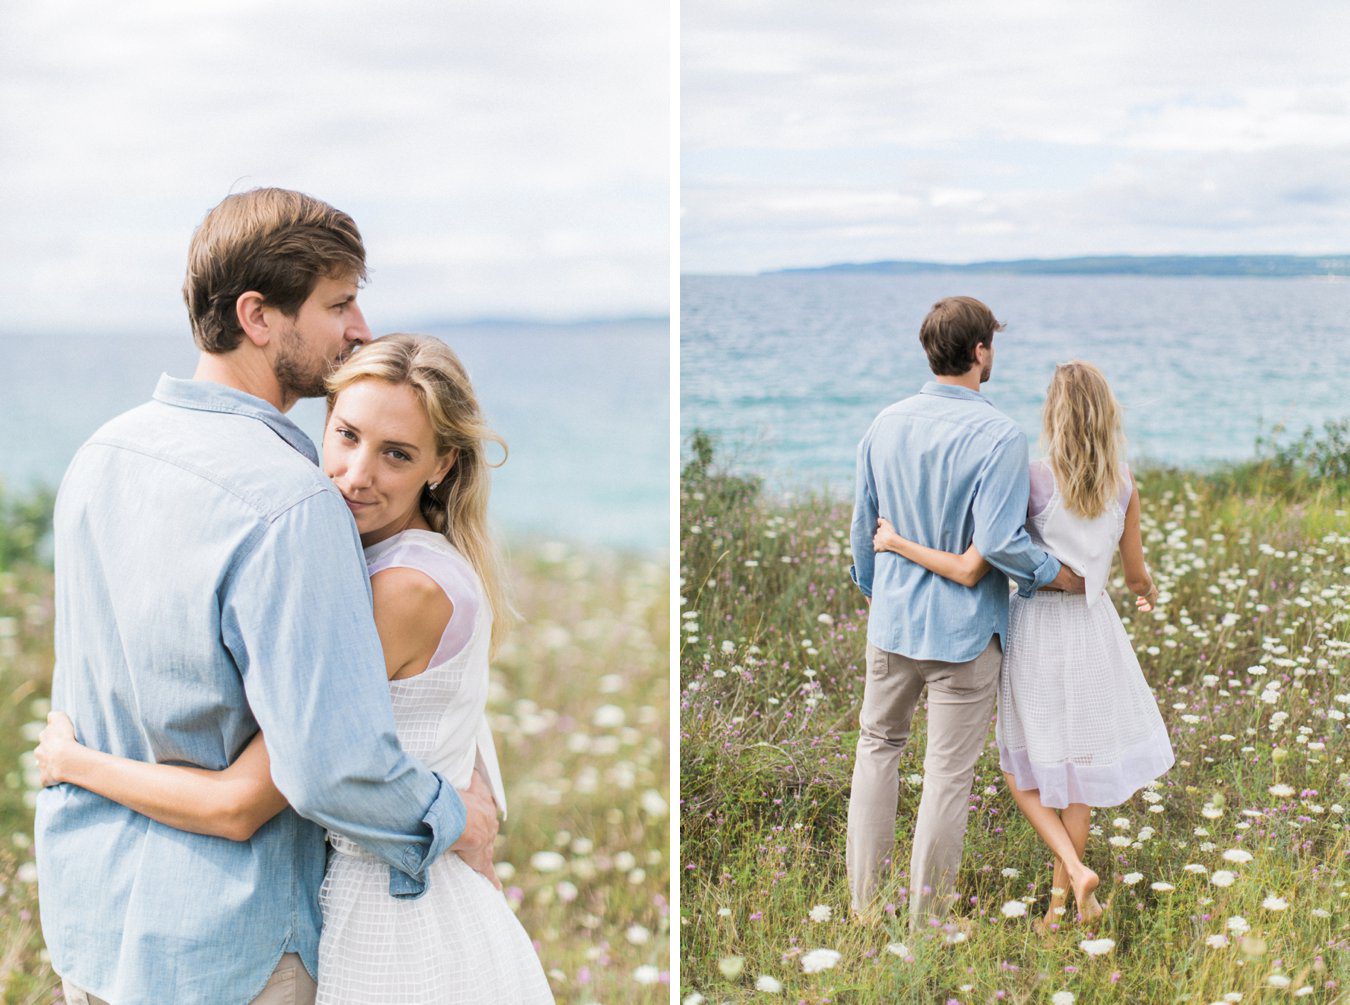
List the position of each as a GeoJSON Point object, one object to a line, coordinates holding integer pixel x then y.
{"type": "Point", "coordinates": [346, 434]}
{"type": "Point", "coordinates": [399, 455]}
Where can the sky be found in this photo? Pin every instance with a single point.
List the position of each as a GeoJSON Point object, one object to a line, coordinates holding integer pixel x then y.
{"type": "Point", "coordinates": [503, 158]}
{"type": "Point", "coordinates": [817, 133]}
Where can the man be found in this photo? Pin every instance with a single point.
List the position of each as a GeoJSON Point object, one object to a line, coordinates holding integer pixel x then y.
{"type": "Point", "coordinates": [946, 468]}
{"type": "Point", "coordinates": [210, 582]}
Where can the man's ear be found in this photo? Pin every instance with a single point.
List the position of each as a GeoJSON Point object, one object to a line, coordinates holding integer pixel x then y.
{"type": "Point", "coordinates": [250, 310]}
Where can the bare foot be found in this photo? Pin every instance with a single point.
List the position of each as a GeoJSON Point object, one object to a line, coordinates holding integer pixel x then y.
{"type": "Point", "coordinates": [1054, 914]}
{"type": "Point", "coordinates": [1084, 883]}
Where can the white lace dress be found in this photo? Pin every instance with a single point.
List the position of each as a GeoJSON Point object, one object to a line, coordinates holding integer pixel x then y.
{"type": "Point", "coordinates": [1076, 719]}
{"type": "Point", "coordinates": [459, 942]}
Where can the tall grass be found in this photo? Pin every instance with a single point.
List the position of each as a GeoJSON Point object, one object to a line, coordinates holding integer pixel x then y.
{"type": "Point", "coordinates": [1248, 655]}
{"type": "Point", "coordinates": [580, 710]}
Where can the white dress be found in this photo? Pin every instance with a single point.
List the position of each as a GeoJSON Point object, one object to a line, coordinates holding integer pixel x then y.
{"type": "Point", "coordinates": [459, 942]}
{"type": "Point", "coordinates": [1076, 719]}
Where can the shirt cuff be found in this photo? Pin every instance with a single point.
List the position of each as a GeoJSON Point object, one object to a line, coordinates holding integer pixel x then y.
{"type": "Point", "coordinates": [853, 575]}
{"type": "Point", "coordinates": [1045, 573]}
{"type": "Point", "coordinates": [446, 819]}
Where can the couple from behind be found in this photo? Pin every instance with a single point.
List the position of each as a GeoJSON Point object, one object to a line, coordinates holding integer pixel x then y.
{"type": "Point", "coordinates": [226, 656]}
{"type": "Point", "coordinates": [946, 510]}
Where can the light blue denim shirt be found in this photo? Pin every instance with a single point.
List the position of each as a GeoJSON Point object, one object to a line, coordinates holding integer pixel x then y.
{"type": "Point", "coordinates": [210, 581]}
{"type": "Point", "coordinates": [946, 468]}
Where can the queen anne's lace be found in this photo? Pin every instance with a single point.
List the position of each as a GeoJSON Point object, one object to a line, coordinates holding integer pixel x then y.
{"type": "Point", "coordinates": [459, 942]}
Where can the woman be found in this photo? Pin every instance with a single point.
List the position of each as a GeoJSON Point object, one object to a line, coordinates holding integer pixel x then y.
{"type": "Point", "coordinates": [1078, 726]}
{"type": "Point", "coordinates": [404, 444]}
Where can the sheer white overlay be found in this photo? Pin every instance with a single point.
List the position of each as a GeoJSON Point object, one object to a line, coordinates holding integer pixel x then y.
{"type": "Point", "coordinates": [1076, 718]}
{"type": "Point", "coordinates": [459, 942]}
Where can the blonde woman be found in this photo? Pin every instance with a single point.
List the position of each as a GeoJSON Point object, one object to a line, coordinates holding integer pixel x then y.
{"type": "Point", "coordinates": [1078, 726]}
{"type": "Point", "coordinates": [405, 446]}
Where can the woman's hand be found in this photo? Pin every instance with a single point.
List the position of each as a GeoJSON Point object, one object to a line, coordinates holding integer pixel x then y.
{"type": "Point", "coordinates": [56, 743]}
{"type": "Point", "coordinates": [885, 539]}
{"type": "Point", "coordinates": [1147, 601]}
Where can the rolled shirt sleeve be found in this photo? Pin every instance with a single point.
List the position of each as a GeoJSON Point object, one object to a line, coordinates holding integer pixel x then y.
{"type": "Point", "coordinates": [296, 617]}
{"type": "Point", "coordinates": [865, 513]}
{"type": "Point", "coordinates": [1000, 513]}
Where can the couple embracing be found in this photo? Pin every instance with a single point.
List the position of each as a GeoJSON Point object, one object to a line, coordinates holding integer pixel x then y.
{"type": "Point", "coordinates": [947, 509]}
{"type": "Point", "coordinates": [255, 646]}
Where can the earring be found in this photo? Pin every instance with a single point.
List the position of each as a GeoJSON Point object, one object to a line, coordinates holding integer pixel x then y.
{"type": "Point", "coordinates": [431, 486]}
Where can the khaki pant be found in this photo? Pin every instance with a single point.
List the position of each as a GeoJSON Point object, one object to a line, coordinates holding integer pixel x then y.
{"type": "Point", "coordinates": [290, 984]}
{"type": "Point", "coordinates": [961, 698]}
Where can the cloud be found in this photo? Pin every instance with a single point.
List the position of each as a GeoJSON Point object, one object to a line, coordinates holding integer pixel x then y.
{"type": "Point", "coordinates": [980, 129]}
{"type": "Point", "coordinates": [502, 159]}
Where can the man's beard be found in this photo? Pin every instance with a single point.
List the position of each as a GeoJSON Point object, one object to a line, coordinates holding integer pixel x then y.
{"type": "Point", "coordinates": [300, 376]}
{"type": "Point", "coordinates": [984, 374]}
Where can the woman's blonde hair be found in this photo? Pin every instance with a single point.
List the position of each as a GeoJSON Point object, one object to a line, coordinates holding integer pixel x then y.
{"type": "Point", "coordinates": [1084, 437]}
{"type": "Point", "coordinates": [457, 506]}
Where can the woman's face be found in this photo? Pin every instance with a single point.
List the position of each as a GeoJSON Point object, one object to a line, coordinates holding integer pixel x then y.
{"type": "Point", "coordinates": [379, 450]}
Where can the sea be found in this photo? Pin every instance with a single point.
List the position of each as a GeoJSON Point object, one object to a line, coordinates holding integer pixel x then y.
{"type": "Point", "coordinates": [583, 408]}
{"type": "Point", "coordinates": [786, 371]}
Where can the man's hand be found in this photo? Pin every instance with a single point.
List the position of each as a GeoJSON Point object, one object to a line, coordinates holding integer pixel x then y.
{"type": "Point", "coordinates": [1067, 580]}
{"type": "Point", "coordinates": [475, 844]}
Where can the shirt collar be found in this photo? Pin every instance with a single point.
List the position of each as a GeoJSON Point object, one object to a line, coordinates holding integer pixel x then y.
{"type": "Point", "coordinates": [953, 391]}
{"type": "Point", "coordinates": [206, 396]}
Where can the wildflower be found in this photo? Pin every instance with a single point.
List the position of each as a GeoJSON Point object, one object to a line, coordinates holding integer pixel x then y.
{"type": "Point", "coordinates": [821, 912]}
{"type": "Point", "coordinates": [724, 912]}
{"type": "Point", "coordinates": [1014, 909]}
{"type": "Point", "coordinates": [1130, 878]}
{"type": "Point", "coordinates": [1195, 867]}
{"type": "Point", "coordinates": [1278, 981]}
{"type": "Point", "coordinates": [1275, 903]}
{"type": "Point", "coordinates": [638, 935]}
{"type": "Point", "coordinates": [1237, 855]}
{"type": "Point", "coordinates": [1281, 791]}
{"type": "Point", "coordinates": [646, 974]}
{"type": "Point", "coordinates": [608, 716]}
{"type": "Point", "coordinates": [1162, 887]}
{"type": "Point", "coordinates": [817, 960]}
{"type": "Point", "coordinates": [547, 861]}
{"type": "Point", "coordinates": [1010, 873]}
{"type": "Point", "coordinates": [898, 949]}
{"type": "Point", "coordinates": [731, 966]}
{"type": "Point", "coordinates": [767, 983]}
{"type": "Point", "coordinates": [1097, 947]}
{"type": "Point", "coordinates": [1217, 941]}
{"type": "Point", "coordinates": [693, 998]}
{"type": "Point", "coordinates": [1237, 924]}
{"type": "Point", "coordinates": [1222, 877]}
{"type": "Point", "coordinates": [1062, 998]}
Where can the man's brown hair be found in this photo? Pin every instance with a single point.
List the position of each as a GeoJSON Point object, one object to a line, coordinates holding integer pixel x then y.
{"type": "Point", "coordinates": [952, 330]}
{"type": "Point", "coordinates": [271, 241]}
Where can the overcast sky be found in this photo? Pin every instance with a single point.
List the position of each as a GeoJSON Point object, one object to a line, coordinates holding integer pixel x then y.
{"type": "Point", "coordinates": [817, 133]}
{"type": "Point", "coordinates": [502, 157]}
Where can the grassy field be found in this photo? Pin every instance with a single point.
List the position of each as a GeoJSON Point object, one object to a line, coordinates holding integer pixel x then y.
{"type": "Point", "coordinates": [580, 708]}
{"type": "Point", "coordinates": [1225, 883]}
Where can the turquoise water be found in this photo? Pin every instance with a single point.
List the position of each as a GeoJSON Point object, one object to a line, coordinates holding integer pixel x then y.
{"type": "Point", "coordinates": [788, 371]}
{"type": "Point", "coordinates": [584, 409]}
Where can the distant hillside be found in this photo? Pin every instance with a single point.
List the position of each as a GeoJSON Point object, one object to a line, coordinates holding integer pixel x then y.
{"type": "Point", "coordinates": [1114, 265]}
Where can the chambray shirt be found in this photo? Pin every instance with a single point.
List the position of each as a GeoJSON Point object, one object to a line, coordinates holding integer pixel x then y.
{"type": "Point", "coordinates": [210, 581]}
{"type": "Point", "coordinates": [946, 468]}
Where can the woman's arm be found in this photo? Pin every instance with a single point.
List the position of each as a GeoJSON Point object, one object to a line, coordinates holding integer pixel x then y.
{"type": "Point", "coordinates": [411, 615]}
{"type": "Point", "coordinates": [232, 803]}
{"type": "Point", "coordinates": [1137, 577]}
{"type": "Point", "coordinates": [967, 569]}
